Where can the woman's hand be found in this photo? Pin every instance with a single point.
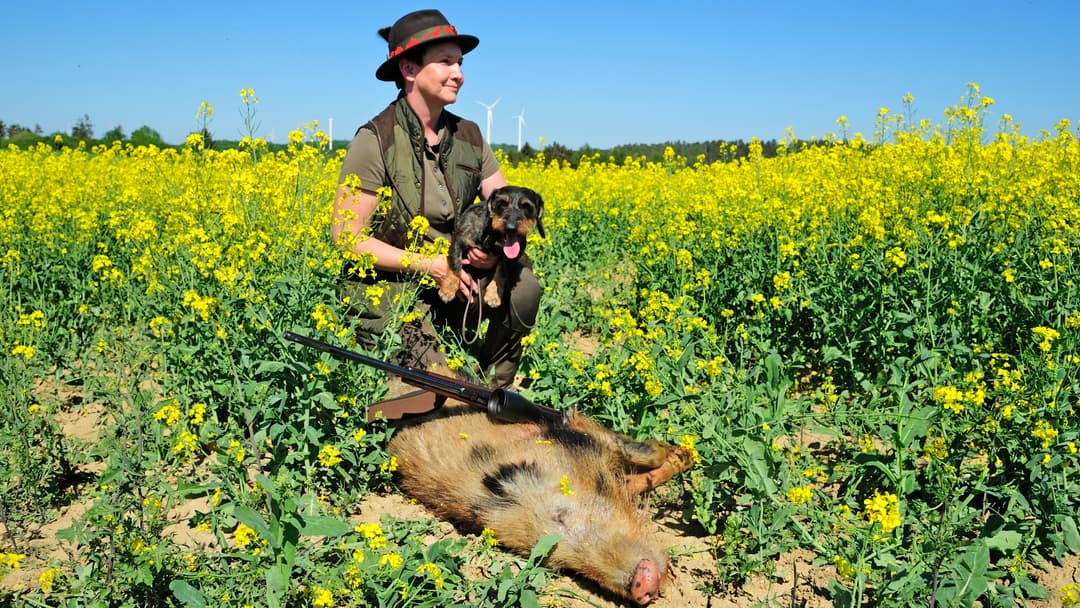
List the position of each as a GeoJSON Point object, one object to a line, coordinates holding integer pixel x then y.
{"type": "Point", "coordinates": [479, 259]}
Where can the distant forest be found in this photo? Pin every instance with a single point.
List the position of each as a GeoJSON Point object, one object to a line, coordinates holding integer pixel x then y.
{"type": "Point", "coordinates": [709, 151]}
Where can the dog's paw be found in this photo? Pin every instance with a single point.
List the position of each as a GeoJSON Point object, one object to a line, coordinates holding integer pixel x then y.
{"type": "Point", "coordinates": [491, 295]}
{"type": "Point", "coordinates": [448, 288]}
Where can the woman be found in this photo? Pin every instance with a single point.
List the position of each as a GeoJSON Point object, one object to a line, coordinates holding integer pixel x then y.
{"type": "Point", "coordinates": [436, 164]}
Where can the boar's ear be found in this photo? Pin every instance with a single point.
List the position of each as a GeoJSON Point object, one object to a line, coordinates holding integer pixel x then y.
{"type": "Point", "coordinates": [559, 515]}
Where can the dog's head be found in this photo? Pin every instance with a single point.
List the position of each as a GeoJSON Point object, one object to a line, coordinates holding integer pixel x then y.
{"type": "Point", "coordinates": [514, 212]}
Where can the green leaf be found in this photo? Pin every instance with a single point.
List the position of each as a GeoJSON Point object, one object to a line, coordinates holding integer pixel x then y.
{"type": "Point", "coordinates": [876, 463]}
{"type": "Point", "coordinates": [321, 525]}
{"type": "Point", "coordinates": [831, 353]}
{"type": "Point", "coordinates": [69, 534]}
{"type": "Point", "coordinates": [267, 484]}
{"type": "Point", "coordinates": [1032, 589]}
{"type": "Point", "coordinates": [193, 490]}
{"type": "Point", "coordinates": [269, 367]}
{"type": "Point", "coordinates": [290, 540]}
{"type": "Point", "coordinates": [758, 475]}
{"type": "Point", "coordinates": [916, 425]}
{"type": "Point", "coordinates": [1005, 541]}
{"type": "Point", "coordinates": [250, 518]}
{"type": "Point", "coordinates": [277, 584]}
{"type": "Point", "coordinates": [504, 588]}
{"type": "Point", "coordinates": [187, 594]}
{"type": "Point", "coordinates": [971, 568]}
{"type": "Point", "coordinates": [528, 599]}
{"type": "Point", "coordinates": [543, 546]}
{"type": "Point", "coordinates": [1071, 535]}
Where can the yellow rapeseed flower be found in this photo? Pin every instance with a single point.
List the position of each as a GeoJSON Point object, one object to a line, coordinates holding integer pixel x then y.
{"type": "Point", "coordinates": [245, 536]}
{"type": "Point", "coordinates": [373, 533]}
{"type": "Point", "coordinates": [322, 598]}
{"type": "Point", "coordinates": [1046, 336]}
{"type": "Point", "coordinates": [24, 350]}
{"type": "Point", "coordinates": [799, 495]}
{"type": "Point", "coordinates": [1070, 595]}
{"type": "Point", "coordinates": [393, 560]}
{"type": "Point", "coordinates": [688, 443]}
{"type": "Point", "coordinates": [47, 579]}
{"type": "Point", "coordinates": [329, 456]}
{"type": "Point", "coordinates": [168, 413]}
{"type": "Point", "coordinates": [844, 569]}
{"type": "Point", "coordinates": [358, 436]}
{"type": "Point", "coordinates": [432, 570]}
{"type": "Point", "coordinates": [185, 444]}
{"type": "Point", "coordinates": [884, 510]}
{"type": "Point", "coordinates": [564, 486]}
{"type": "Point", "coordinates": [11, 561]}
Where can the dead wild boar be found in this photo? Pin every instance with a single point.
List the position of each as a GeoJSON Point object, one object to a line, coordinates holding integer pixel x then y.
{"type": "Point", "coordinates": [524, 480]}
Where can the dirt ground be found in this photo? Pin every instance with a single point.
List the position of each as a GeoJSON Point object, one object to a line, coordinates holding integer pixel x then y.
{"type": "Point", "coordinates": [795, 581]}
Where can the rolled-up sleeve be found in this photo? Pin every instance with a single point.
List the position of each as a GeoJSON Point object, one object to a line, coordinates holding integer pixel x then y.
{"type": "Point", "coordinates": [364, 160]}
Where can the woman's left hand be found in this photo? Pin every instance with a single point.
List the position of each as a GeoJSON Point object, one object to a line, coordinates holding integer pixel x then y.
{"type": "Point", "coordinates": [480, 259]}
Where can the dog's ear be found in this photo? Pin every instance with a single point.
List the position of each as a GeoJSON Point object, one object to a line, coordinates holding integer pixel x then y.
{"type": "Point", "coordinates": [540, 215]}
{"type": "Point", "coordinates": [490, 199]}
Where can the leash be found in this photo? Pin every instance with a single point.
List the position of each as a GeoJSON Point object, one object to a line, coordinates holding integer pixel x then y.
{"type": "Point", "coordinates": [479, 320]}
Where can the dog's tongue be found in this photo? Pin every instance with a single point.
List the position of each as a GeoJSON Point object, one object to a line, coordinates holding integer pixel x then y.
{"type": "Point", "coordinates": [512, 246]}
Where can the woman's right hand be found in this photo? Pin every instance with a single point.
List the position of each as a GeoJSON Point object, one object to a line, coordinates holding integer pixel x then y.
{"type": "Point", "coordinates": [468, 287]}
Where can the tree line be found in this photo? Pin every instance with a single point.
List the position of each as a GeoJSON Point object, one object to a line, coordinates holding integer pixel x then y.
{"type": "Point", "coordinates": [709, 151]}
{"type": "Point", "coordinates": [82, 130]}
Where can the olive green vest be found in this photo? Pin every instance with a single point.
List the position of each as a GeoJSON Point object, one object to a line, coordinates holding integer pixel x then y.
{"type": "Point", "coordinates": [401, 138]}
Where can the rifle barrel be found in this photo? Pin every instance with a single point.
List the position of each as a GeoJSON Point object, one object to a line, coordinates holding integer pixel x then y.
{"type": "Point", "coordinates": [473, 394]}
{"type": "Point", "coordinates": [501, 404]}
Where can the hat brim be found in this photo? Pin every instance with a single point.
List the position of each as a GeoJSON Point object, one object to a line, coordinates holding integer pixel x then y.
{"type": "Point", "coordinates": [388, 71]}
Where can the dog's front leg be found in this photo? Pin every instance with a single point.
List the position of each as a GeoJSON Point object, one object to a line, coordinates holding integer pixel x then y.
{"type": "Point", "coordinates": [492, 294]}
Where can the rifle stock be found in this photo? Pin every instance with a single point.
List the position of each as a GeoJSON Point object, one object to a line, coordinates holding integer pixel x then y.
{"type": "Point", "coordinates": [500, 404]}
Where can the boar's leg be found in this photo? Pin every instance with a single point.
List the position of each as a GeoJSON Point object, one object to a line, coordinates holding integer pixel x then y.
{"type": "Point", "coordinates": [678, 460]}
{"type": "Point", "coordinates": [648, 464]}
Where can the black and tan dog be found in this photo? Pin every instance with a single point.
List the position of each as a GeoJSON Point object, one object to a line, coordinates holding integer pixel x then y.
{"type": "Point", "coordinates": [500, 226]}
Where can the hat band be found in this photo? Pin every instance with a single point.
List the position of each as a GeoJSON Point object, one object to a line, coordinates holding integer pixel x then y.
{"type": "Point", "coordinates": [439, 31]}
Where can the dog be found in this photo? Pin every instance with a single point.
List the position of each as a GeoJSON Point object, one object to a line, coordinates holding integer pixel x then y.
{"type": "Point", "coordinates": [499, 225]}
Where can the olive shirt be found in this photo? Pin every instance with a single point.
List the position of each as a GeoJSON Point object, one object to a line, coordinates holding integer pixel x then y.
{"type": "Point", "coordinates": [364, 159]}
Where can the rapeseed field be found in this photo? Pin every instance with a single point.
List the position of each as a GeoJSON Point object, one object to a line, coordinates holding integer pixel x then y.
{"type": "Point", "coordinates": [870, 343]}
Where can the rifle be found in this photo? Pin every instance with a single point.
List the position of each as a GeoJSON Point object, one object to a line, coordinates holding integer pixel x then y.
{"type": "Point", "coordinates": [435, 389]}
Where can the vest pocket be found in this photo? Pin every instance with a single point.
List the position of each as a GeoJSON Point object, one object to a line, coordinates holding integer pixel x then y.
{"type": "Point", "coordinates": [468, 168]}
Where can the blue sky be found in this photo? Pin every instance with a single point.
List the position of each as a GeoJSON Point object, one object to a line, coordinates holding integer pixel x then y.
{"type": "Point", "coordinates": [597, 73]}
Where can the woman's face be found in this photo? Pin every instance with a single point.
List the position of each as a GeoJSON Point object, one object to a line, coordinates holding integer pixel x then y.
{"type": "Point", "coordinates": [439, 76]}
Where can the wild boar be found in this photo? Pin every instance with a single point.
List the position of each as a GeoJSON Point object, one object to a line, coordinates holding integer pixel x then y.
{"type": "Point", "coordinates": [525, 480]}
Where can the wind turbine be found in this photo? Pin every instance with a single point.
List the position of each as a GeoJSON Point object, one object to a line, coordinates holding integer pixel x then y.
{"type": "Point", "coordinates": [521, 123]}
{"type": "Point", "coordinates": [489, 108]}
